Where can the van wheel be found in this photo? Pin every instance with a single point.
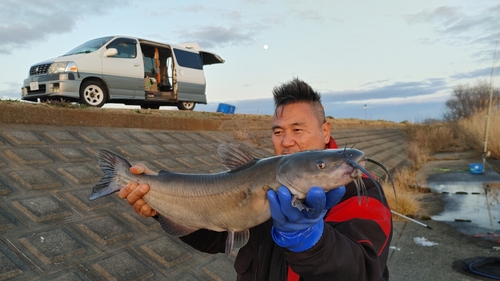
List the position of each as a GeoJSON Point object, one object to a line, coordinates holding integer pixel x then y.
{"type": "Point", "coordinates": [186, 105]}
{"type": "Point", "coordinates": [93, 93]}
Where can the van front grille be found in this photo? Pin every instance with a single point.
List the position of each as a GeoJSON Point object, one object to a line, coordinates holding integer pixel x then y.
{"type": "Point", "coordinates": [39, 69]}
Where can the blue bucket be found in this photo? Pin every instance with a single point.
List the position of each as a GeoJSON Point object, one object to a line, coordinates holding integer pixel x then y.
{"type": "Point", "coordinates": [476, 168]}
{"type": "Point", "coordinates": [226, 108]}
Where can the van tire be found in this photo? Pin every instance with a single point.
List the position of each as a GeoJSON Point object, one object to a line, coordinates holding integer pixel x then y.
{"type": "Point", "coordinates": [93, 93]}
{"type": "Point", "coordinates": [186, 105]}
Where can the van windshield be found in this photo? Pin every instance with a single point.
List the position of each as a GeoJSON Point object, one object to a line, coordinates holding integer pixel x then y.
{"type": "Point", "coordinates": [89, 46]}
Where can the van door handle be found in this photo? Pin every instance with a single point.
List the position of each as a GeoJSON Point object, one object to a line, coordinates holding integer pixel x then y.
{"type": "Point", "coordinates": [136, 64]}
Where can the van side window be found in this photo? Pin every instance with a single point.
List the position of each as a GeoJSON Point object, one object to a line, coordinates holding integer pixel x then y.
{"type": "Point", "coordinates": [126, 48]}
{"type": "Point", "coordinates": [188, 59]}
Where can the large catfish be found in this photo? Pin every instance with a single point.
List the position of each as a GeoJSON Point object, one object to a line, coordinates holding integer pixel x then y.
{"type": "Point", "coordinates": [234, 200]}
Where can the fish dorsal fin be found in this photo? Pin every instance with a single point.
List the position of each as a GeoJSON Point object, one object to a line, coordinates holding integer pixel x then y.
{"type": "Point", "coordinates": [236, 240]}
{"type": "Point", "coordinates": [233, 156]}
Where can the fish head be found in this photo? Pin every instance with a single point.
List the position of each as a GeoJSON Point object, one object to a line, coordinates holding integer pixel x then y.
{"type": "Point", "coordinates": [327, 169]}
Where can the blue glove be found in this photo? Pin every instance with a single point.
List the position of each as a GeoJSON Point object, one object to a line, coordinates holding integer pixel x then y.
{"type": "Point", "coordinates": [299, 230]}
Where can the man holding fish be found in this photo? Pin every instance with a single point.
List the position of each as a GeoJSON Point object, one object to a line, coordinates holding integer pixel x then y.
{"type": "Point", "coordinates": [338, 236]}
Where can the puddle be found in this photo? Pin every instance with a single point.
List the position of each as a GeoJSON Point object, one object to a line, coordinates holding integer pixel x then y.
{"type": "Point", "coordinates": [466, 207]}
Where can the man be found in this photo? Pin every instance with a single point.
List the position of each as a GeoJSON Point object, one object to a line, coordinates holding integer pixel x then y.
{"type": "Point", "coordinates": [341, 240]}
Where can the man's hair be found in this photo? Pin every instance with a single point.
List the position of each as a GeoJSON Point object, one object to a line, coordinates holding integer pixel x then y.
{"type": "Point", "coordinates": [296, 91]}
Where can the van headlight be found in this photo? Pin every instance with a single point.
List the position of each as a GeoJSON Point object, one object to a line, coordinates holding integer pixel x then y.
{"type": "Point", "coordinates": [62, 66]}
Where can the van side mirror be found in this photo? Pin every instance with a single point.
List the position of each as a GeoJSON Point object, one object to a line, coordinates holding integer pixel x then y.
{"type": "Point", "coordinates": [111, 52]}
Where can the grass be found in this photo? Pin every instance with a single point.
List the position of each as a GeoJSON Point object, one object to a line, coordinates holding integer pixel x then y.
{"type": "Point", "coordinates": [475, 129]}
{"type": "Point", "coordinates": [424, 140]}
{"type": "Point", "coordinates": [408, 187]}
{"type": "Point", "coordinates": [64, 104]}
{"type": "Point", "coordinates": [52, 103]}
{"type": "Point", "coordinates": [9, 100]}
{"type": "Point", "coordinates": [463, 135]}
{"type": "Point", "coordinates": [417, 155]}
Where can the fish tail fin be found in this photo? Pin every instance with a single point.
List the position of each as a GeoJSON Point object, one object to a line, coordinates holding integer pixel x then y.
{"type": "Point", "coordinates": [110, 164]}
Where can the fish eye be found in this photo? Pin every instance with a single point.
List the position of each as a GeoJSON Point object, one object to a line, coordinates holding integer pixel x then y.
{"type": "Point", "coordinates": [321, 164]}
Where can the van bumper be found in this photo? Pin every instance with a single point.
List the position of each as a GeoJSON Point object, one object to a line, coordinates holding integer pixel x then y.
{"type": "Point", "coordinates": [54, 85]}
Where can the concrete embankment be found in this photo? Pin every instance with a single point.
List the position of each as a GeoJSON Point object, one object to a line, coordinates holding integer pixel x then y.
{"type": "Point", "coordinates": [50, 230]}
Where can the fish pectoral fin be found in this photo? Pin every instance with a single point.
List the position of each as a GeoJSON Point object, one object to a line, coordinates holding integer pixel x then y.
{"type": "Point", "coordinates": [173, 228]}
{"type": "Point", "coordinates": [241, 238]}
{"type": "Point", "coordinates": [236, 240]}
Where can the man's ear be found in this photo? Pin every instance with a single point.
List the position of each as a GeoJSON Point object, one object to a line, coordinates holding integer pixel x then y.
{"type": "Point", "coordinates": [326, 127]}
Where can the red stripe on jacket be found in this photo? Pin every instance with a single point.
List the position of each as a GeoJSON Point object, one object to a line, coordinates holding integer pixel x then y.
{"type": "Point", "coordinates": [369, 209]}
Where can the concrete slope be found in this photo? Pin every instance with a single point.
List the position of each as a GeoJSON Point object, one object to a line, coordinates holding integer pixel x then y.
{"type": "Point", "coordinates": [49, 230]}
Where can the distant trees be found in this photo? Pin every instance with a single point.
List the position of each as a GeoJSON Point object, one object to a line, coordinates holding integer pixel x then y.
{"type": "Point", "coordinates": [430, 121]}
{"type": "Point", "coordinates": [466, 101]}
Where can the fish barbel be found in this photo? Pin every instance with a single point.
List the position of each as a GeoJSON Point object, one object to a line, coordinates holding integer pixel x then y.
{"type": "Point", "coordinates": [233, 200]}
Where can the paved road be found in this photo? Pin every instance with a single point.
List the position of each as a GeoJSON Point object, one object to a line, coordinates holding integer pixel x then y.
{"type": "Point", "coordinates": [49, 230]}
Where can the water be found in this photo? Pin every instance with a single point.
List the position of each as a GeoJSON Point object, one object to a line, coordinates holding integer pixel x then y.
{"type": "Point", "coordinates": [466, 206]}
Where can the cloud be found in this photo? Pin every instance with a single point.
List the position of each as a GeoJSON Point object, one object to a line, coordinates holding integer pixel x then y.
{"type": "Point", "coordinates": [398, 90]}
{"type": "Point", "coordinates": [219, 36]}
{"type": "Point", "coordinates": [410, 110]}
{"type": "Point", "coordinates": [442, 15]}
{"type": "Point", "coordinates": [237, 29]}
{"type": "Point", "coordinates": [413, 101]}
{"type": "Point", "coordinates": [455, 20]}
{"type": "Point", "coordinates": [194, 8]}
{"type": "Point", "coordinates": [311, 15]}
{"type": "Point", "coordinates": [484, 72]}
{"type": "Point", "coordinates": [397, 101]}
{"type": "Point", "coordinates": [12, 91]}
{"type": "Point", "coordinates": [25, 22]}
{"type": "Point", "coordinates": [460, 27]}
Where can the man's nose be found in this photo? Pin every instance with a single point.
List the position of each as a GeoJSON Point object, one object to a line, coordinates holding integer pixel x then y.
{"type": "Point", "coordinates": [288, 140]}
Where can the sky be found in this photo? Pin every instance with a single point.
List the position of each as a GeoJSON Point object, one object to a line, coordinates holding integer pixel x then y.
{"type": "Point", "coordinates": [378, 60]}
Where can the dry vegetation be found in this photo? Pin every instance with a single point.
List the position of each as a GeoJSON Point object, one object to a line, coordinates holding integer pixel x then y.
{"type": "Point", "coordinates": [463, 135]}
{"type": "Point", "coordinates": [405, 200]}
{"type": "Point", "coordinates": [167, 113]}
{"type": "Point", "coordinates": [475, 128]}
{"type": "Point", "coordinates": [424, 140]}
{"type": "Point", "coordinates": [16, 105]}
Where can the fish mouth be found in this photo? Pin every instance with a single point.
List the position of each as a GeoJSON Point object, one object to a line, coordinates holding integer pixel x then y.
{"type": "Point", "coordinates": [359, 166]}
{"type": "Point", "coordinates": [356, 172]}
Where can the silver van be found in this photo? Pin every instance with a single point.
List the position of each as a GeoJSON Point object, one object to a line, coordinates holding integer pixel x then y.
{"type": "Point", "coordinates": [121, 69]}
